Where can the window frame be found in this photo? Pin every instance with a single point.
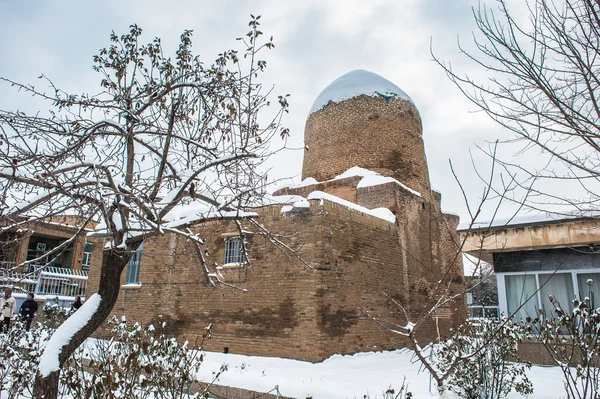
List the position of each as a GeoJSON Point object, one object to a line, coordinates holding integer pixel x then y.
{"type": "Point", "coordinates": [503, 294]}
{"type": "Point", "coordinates": [87, 256]}
{"type": "Point", "coordinates": [132, 278]}
{"type": "Point", "coordinates": [233, 251]}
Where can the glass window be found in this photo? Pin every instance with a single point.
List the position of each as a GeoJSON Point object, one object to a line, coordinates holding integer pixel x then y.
{"type": "Point", "coordinates": [560, 286]}
{"type": "Point", "coordinates": [589, 286]}
{"type": "Point", "coordinates": [521, 289]}
{"type": "Point", "coordinates": [234, 252]}
{"type": "Point", "coordinates": [133, 268]}
{"type": "Point", "coordinates": [87, 256]}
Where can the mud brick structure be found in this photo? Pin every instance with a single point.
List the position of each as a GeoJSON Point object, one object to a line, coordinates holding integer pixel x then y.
{"type": "Point", "coordinates": [365, 239]}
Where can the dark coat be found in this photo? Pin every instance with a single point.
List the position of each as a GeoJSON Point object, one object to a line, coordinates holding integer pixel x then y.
{"type": "Point", "coordinates": [76, 305]}
{"type": "Point", "coordinates": [28, 308]}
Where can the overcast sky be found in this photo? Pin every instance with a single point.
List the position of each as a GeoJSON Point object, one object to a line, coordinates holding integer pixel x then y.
{"type": "Point", "coordinates": [316, 42]}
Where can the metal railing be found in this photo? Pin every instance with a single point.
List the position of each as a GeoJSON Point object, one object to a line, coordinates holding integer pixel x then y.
{"type": "Point", "coordinates": [47, 281]}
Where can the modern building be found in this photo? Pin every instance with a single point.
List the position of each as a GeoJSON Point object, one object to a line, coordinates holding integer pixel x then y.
{"type": "Point", "coordinates": [363, 234]}
{"type": "Point", "coordinates": [539, 257]}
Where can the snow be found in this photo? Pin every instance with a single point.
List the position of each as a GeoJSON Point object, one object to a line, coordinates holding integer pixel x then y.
{"type": "Point", "coordinates": [349, 376]}
{"type": "Point", "coordinates": [381, 213]}
{"type": "Point", "coordinates": [282, 199]}
{"type": "Point", "coordinates": [309, 181]}
{"type": "Point", "coordinates": [64, 334]}
{"type": "Point", "coordinates": [533, 217]}
{"type": "Point", "coordinates": [354, 84]}
{"type": "Point", "coordinates": [369, 178]}
{"type": "Point", "coordinates": [355, 171]}
{"type": "Point", "coordinates": [302, 204]}
{"type": "Point", "coordinates": [187, 212]}
{"type": "Point", "coordinates": [376, 180]}
{"type": "Point", "coordinates": [287, 208]}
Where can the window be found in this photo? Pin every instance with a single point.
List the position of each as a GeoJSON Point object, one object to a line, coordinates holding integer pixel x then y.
{"type": "Point", "coordinates": [560, 286]}
{"type": "Point", "coordinates": [133, 268]}
{"type": "Point", "coordinates": [234, 252]}
{"type": "Point", "coordinates": [532, 290]}
{"type": "Point", "coordinates": [589, 287]}
{"type": "Point", "coordinates": [87, 256]}
{"type": "Point", "coordinates": [519, 289]}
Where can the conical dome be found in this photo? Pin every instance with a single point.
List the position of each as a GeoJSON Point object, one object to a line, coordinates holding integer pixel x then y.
{"type": "Point", "coordinates": [362, 119]}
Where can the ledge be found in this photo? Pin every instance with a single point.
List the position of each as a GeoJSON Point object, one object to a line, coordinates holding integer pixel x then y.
{"type": "Point", "coordinates": [131, 286]}
{"type": "Point", "coordinates": [231, 266]}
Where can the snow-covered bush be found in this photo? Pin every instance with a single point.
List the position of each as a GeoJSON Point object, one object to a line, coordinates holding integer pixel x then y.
{"type": "Point", "coordinates": [571, 339]}
{"type": "Point", "coordinates": [19, 357]}
{"type": "Point", "coordinates": [53, 314]}
{"type": "Point", "coordinates": [135, 363]}
{"type": "Point", "coordinates": [487, 350]}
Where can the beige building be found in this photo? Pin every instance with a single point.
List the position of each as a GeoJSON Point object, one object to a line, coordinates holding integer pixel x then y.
{"type": "Point", "coordinates": [31, 261]}
{"type": "Point", "coordinates": [536, 258]}
{"type": "Point", "coordinates": [366, 228]}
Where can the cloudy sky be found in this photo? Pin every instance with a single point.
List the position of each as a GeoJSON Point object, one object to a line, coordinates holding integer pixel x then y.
{"type": "Point", "coordinates": [316, 42]}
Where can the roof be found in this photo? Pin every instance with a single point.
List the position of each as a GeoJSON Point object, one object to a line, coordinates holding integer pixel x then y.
{"type": "Point", "coordinates": [356, 83]}
{"type": "Point", "coordinates": [521, 221]}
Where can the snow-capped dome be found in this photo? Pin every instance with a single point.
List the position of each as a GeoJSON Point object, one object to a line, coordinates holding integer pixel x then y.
{"type": "Point", "coordinates": [354, 84]}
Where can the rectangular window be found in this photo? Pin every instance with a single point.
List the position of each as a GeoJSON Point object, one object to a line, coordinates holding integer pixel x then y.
{"type": "Point", "coordinates": [87, 256]}
{"type": "Point", "coordinates": [234, 252]}
{"type": "Point", "coordinates": [589, 287]}
{"type": "Point", "coordinates": [133, 268]}
{"type": "Point", "coordinates": [521, 289]}
{"type": "Point", "coordinates": [560, 286]}
{"type": "Point", "coordinates": [534, 291]}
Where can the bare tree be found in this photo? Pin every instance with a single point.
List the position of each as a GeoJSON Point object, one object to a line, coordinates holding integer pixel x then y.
{"type": "Point", "coordinates": [166, 143]}
{"type": "Point", "coordinates": [543, 84]}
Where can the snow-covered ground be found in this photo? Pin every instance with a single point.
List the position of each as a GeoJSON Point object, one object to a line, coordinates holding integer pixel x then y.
{"type": "Point", "coordinates": [352, 376]}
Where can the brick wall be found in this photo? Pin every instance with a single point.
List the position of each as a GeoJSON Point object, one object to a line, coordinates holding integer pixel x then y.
{"type": "Point", "coordinates": [290, 310]}
{"type": "Point", "coordinates": [370, 132]}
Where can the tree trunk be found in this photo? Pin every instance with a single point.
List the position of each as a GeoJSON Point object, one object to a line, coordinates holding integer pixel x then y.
{"type": "Point", "coordinates": [113, 263]}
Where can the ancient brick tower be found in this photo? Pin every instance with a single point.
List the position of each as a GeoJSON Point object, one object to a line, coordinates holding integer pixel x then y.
{"type": "Point", "coordinates": [362, 119]}
{"type": "Point", "coordinates": [365, 239]}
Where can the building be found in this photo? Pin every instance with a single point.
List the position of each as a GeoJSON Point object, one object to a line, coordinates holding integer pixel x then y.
{"type": "Point", "coordinates": [539, 257]}
{"type": "Point", "coordinates": [49, 274]}
{"type": "Point", "coordinates": [365, 227]}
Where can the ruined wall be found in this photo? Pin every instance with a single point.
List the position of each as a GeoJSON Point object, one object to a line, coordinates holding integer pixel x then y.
{"type": "Point", "coordinates": [378, 134]}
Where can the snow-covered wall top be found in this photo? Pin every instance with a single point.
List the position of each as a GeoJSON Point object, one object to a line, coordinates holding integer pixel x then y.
{"type": "Point", "coordinates": [354, 84]}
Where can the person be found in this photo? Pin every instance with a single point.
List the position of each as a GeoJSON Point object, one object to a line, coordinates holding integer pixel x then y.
{"type": "Point", "coordinates": [77, 304]}
{"type": "Point", "coordinates": [28, 309]}
{"type": "Point", "coordinates": [7, 308]}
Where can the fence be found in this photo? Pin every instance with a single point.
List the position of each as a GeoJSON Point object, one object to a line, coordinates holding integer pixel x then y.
{"type": "Point", "coordinates": [45, 281]}
{"type": "Point", "coordinates": [484, 312]}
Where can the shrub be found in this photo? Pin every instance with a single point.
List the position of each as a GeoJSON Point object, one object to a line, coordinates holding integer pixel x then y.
{"type": "Point", "coordinates": [19, 357]}
{"type": "Point", "coordinates": [135, 363]}
{"type": "Point", "coordinates": [571, 339]}
{"type": "Point", "coordinates": [487, 350]}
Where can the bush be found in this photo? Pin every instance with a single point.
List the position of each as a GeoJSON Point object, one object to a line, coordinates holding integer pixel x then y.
{"type": "Point", "coordinates": [571, 339]}
{"type": "Point", "coordinates": [134, 363]}
{"type": "Point", "coordinates": [19, 357]}
{"type": "Point", "coordinates": [53, 314]}
{"type": "Point", "coordinates": [487, 350]}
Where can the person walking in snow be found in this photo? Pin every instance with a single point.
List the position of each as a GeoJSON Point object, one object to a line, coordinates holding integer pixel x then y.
{"type": "Point", "coordinates": [8, 304]}
{"type": "Point", "coordinates": [27, 311]}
